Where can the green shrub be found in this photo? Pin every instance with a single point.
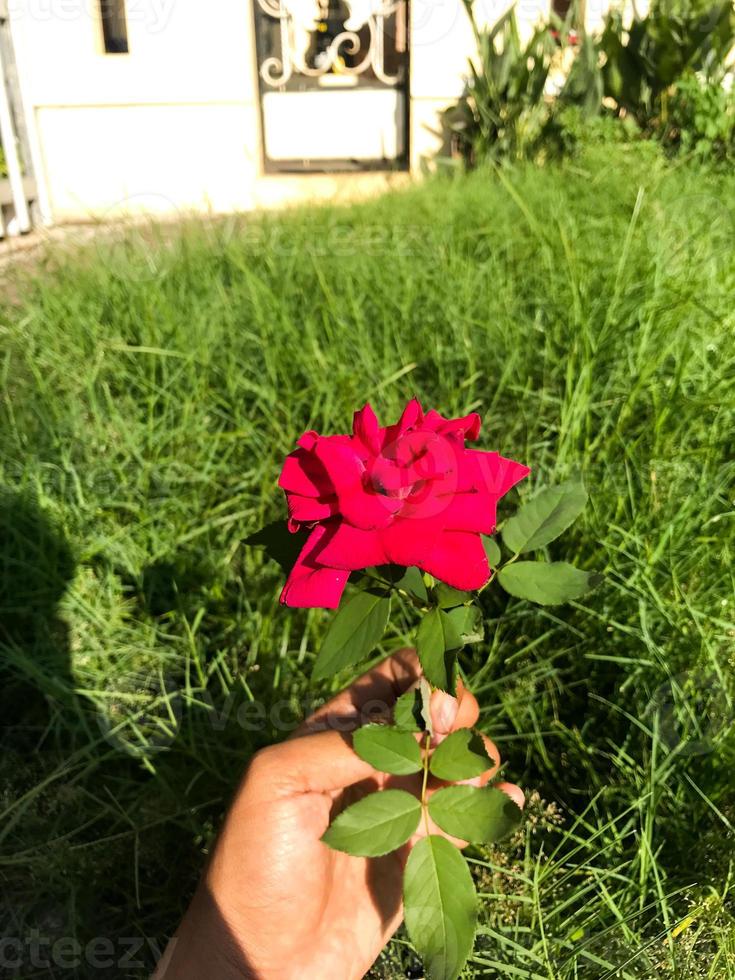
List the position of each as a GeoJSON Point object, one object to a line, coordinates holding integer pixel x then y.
{"type": "Point", "coordinates": [659, 76]}
{"type": "Point", "coordinates": [701, 119]}
{"type": "Point", "coordinates": [504, 114]}
{"type": "Point", "coordinates": [641, 63]}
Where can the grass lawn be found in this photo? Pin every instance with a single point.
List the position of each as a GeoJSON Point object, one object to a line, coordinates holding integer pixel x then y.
{"type": "Point", "coordinates": [150, 389]}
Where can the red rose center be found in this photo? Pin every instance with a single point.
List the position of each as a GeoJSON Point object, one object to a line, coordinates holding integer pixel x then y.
{"type": "Point", "coordinates": [409, 466]}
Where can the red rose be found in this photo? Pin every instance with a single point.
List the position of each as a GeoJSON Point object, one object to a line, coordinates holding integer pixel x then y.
{"type": "Point", "coordinates": [407, 494]}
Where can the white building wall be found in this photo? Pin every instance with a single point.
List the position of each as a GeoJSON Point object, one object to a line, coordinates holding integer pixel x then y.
{"type": "Point", "coordinates": [175, 124]}
{"type": "Point", "coordinates": [172, 125]}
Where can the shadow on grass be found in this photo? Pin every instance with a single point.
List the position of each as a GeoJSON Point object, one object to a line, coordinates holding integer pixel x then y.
{"type": "Point", "coordinates": [36, 567]}
{"type": "Point", "coordinates": [161, 805]}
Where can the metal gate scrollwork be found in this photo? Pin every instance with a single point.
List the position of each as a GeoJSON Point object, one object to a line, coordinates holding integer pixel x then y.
{"type": "Point", "coordinates": [333, 63]}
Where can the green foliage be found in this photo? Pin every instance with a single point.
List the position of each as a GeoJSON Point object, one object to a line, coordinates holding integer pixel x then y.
{"type": "Point", "coordinates": [440, 902]}
{"type": "Point", "coordinates": [461, 755]}
{"type": "Point", "coordinates": [149, 389]}
{"type": "Point", "coordinates": [543, 519]}
{"type": "Point", "coordinates": [608, 131]}
{"type": "Point", "coordinates": [504, 114]}
{"type": "Point", "coordinates": [440, 906]}
{"type": "Point", "coordinates": [355, 630]}
{"type": "Point", "coordinates": [447, 598]}
{"type": "Point", "coordinates": [412, 581]}
{"type": "Point", "coordinates": [467, 621]}
{"type": "Point", "coordinates": [700, 119]}
{"type": "Point", "coordinates": [642, 62]}
{"type": "Point", "coordinates": [437, 641]}
{"type": "Point", "coordinates": [388, 749]}
{"type": "Point", "coordinates": [583, 89]}
{"type": "Point", "coordinates": [666, 72]}
{"type": "Point", "coordinates": [407, 712]}
{"type": "Point", "coordinates": [479, 815]}
{"type": "Point", "coordinates": [547, 583]}
{"type": "Point", "coordinates": [493, 552]}
{"type": "Point", "coordinates": [375, 825]}
{"type": "Point", "coordinates": [278, 543]}
{"type": "Point", "coordinates": [660, 75]}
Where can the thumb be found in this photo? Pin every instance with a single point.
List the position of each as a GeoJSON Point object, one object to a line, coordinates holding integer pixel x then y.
{"type": "Point", "coordinates": [449, 713]}
{"type": "Point", "coordinates": [318, 763]}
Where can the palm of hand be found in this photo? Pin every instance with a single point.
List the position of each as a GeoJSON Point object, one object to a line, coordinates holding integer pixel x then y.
{"type": "Point", "coordinates": [278, 904]}
{"type": "Point", "coordinates": [311, 910]}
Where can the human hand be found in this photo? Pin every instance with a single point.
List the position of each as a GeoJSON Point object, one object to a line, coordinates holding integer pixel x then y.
{"type": "Point", "coordinates": [275, 903]}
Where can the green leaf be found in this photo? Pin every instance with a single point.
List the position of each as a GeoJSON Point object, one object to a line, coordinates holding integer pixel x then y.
{"type": "Point", "coordinates": [387, 749]}
{"type": "Point", "coordinates": [461, 755]}
{"type": "Point", "coordinates": [544, 518]}
{"type": "Point", "coordinates": [377, 824]}
{"type": "Point", "coordinates": [437, 638]}
{"type": "Point", "coordinates": [480, 816]}
{"type": "Point", "coordinates": [440, 906]}
{"type": "Point", "coordinates": [547, 583]}
{"type": "Point", "coordinates": [492, 550]}
{"type": "Point", "coordinates": [413, 581]}
{"type": "Point", "coordinates": [407, 712]}
{"type": "Point", "coordinates": [354, 632]}
{"type": "Point", "coordinates": [448, 598]}
{"type": "Point", "coordinates": [279, 543]}
{"type": "Point", "coordinates": [468, 622]}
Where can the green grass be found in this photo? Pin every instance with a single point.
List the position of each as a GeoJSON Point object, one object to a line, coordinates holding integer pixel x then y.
{"type": "Point", "coordinates": [150, 388]}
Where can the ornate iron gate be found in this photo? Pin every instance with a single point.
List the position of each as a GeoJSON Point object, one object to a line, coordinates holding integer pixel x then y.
{"type": "Point", "coordinates": [333, 78]}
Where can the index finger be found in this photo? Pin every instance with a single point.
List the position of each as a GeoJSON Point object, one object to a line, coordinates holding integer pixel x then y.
{"type": "Point", "coordinates": [369, 697]}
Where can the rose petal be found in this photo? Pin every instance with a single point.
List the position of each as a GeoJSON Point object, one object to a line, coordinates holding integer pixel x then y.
{"type": "Point", "coordinates": [490, 472]}
{"type": "Point", "coordinates": [308, 440]}
{"type": "Point", "coordinates": [311, 585]}
{"type": "Point", "coordinates": [473, 511]}
{"type": "Point", "coordinates": [366, 429]}
{"type": "Point", "coordinates": [308, 509]}
{"type": "Point", "coordinates": [411, 418]}
{"type": "Point", "coordinates": [409, 541]}
{"type": "Point", "coordinates": [302, 473]}
{"type": "Point", "coordinates": [433, 419]}
{"type": "Point", "coordinates": [357, 504]}
{"type": "Point", "coordinates": [352, 548]}
{"type": "Point", "coordinates": [367, 510]}
{"type": "Point", "coordinates": [425, 454]}
{"type": "Point", "coordinates": [341, 463]}
{"type": "Point", "coordinates": [412, 414]}
{"type": "Point", "coordinates": [467, 427]}
{"type": "Point", "coordinates": [458, 558]}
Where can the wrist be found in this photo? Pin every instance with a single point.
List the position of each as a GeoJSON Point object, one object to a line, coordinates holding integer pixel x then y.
{"type": "Point", "coordinates": [204, 946]}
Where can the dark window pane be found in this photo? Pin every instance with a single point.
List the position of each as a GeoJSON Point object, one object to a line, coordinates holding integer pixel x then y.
{"type": "Point", "coordinates": [114, 26]}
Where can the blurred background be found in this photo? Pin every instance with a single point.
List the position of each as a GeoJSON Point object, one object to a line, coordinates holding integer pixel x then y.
{"type": "Point", "coordinates": [110, 109]}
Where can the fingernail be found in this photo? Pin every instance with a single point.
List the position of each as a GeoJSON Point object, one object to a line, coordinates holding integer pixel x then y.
{"type": "Point", "coordinates": [445, 712]}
